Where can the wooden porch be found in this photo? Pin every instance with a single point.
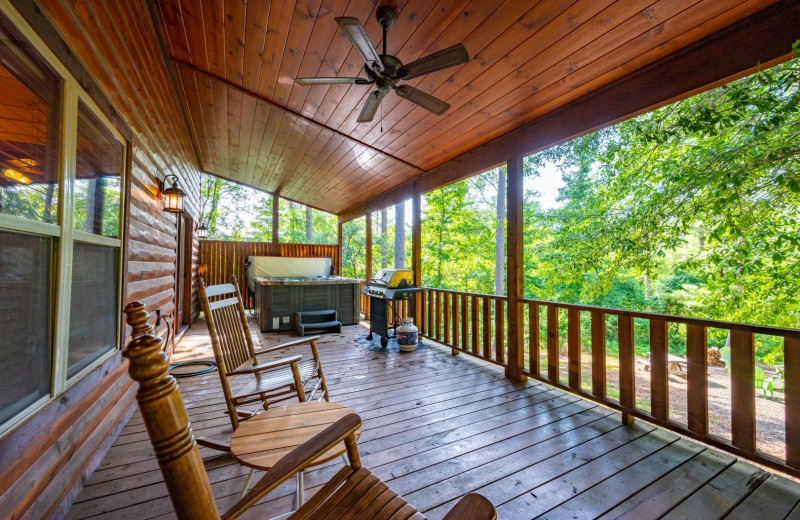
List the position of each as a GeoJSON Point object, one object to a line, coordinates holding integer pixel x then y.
{"type": "Point", "coordinates": [438, 426]}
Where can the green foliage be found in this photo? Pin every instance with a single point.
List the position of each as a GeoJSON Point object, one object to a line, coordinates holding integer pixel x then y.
{"type": "Point", "coordinates": [234, 212]}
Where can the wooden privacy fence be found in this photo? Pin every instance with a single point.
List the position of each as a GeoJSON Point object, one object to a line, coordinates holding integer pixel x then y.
{"type": "Point", "coordinates": [477, 325]}
{"type": "Point", "coordinates": [220, 259]}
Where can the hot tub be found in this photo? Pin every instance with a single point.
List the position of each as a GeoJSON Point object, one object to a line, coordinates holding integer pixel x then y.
{"type": "Point", "coordinates": [283, 286]}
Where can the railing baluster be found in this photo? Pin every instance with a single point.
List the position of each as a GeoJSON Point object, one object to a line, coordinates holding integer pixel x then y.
{"type": "Point", "coordinates": [446, 318]}
{"type": "Point", "coordinates": [438, 315]}
{"type": "Point", "coordinates": [743, 401]}
{"type": "Point", "coordinates": [420, 313]}
{"type": "Point", "coordinates": [474, 311]}
{"type": "Point", "coordinates": [464, 318]}
{"type": "Point", "coordinates": [574, 347]}
{"type": "Point", "coordinates": [627, 391]}
{"type": "Point", "coordinates": [454, 320]}
{"type": "Point", "coordinates": [431, 305]}
{"type": "Point", "coordinates": [598, 354]}
{"type": "Point", "coordinates": [499, 322]}
{"type": "Point", "coordinates": [487, 327]}
{"type": "Point", "coordinates": [791, 360]}
{"type": "Point", "coordinates": [552, 343]}
{"type": "Point", "coordinates": [696, 379]}
{"type": "Point", "coordinates": [659, 395]}
{"type": "Point", "coordinates": [533, 338]}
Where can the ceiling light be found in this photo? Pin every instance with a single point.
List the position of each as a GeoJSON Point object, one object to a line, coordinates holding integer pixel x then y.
{"type": "Point", "coordinates": [17, 176]}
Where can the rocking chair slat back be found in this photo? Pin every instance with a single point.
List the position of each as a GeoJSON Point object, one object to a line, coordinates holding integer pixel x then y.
{"type": "Point", "coordinates": [227, 325]}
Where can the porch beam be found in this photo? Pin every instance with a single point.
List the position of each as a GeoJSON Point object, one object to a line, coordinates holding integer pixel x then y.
{"type": "Point", "coordinates": [764, 38]}
{"type": "Point", "coordinates": [416, 254]}
{"type": "Point", "coordinates": [339, 236]}
{"type": "Point", "coordinates": [368, 247]}
{"type": "Point", "coordinates": [275, 218]}
{"type": "Point", "coordinates": [514, 275]}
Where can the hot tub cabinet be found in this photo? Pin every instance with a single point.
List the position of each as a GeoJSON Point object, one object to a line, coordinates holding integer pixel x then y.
{"type": "Point", "coordinates": [278, 299]}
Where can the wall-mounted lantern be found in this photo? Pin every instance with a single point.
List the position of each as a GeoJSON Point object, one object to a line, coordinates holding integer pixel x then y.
{"type": "Point", "coordinates": [172, 196]}
{"type": "Point", "coordinates": [202, 231]}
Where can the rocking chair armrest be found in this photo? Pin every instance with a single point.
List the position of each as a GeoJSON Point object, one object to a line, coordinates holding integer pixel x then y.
{"type": "Point", "coordinates": [268, 365]}
{"type": "Point", "coordinates": [293, 343]}
{"type": "Point", "coordinates": [295, 461]}
{"type": "Point", "coordinates": [472, 506]}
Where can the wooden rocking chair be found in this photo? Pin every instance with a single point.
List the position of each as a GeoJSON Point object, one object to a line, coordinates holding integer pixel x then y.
{"type": "Point", "coordinates": [353, 491]}
{"type": "Point", "coordinates": [235, 354]}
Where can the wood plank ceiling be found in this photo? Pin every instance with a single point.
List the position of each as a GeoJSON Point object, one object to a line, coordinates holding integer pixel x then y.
{"type": "Point", "coordinates": [235, 61]}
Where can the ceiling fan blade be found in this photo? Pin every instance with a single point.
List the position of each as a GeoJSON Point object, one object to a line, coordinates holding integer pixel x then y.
{"type": "Point", "coordinates": [426, 101]}
{"type": "Point", "coordinates": [358, 37]}
{"type": "Point", "coordinates": [370, 107]}
{"type": "Point", "coordinates": [331, 81]}
{"type": "Point", "coordinates": [455, 55]}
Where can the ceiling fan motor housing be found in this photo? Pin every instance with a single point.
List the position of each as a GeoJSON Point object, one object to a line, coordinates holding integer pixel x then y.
{"type": "Point", "coordinates": [386, 16]}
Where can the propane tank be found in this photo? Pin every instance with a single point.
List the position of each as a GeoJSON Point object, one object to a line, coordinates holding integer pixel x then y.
{"type": "Point", "coordinates": [407, 335]}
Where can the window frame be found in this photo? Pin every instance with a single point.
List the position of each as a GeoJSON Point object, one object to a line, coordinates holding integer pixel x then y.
{"type": "Point", "coordinates": [72, 94]}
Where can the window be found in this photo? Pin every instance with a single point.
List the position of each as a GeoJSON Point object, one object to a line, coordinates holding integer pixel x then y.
{"type": "Point", "coordinates": [61, 171]}
{"type": "Point", "coordinates": [25, 320]}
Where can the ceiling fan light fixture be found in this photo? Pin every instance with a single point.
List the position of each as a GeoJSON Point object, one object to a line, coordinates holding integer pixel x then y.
{"type": "Point", "coordinates": [385, 70]}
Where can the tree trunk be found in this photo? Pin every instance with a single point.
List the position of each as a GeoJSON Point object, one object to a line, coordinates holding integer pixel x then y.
{"type": "Point", "coordinates": [499, 236]}
{"type": "Point", "coordinates": [646, 286]}
{"type": "Point", "coordinates": [309, 225]}
{"type": "Point", "coordinates": [400, 236]}
{"type": "Point", "coordinates": [384, 239]}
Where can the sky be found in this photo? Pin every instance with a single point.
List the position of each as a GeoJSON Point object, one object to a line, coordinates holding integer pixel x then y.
{"type": "Point", "coordinates": [547, 185]}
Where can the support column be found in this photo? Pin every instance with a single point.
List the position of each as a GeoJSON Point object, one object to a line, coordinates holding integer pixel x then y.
{"type": "Point", "coordinates": [368, 257]}
{"type": "Point", "coordinates": [275, 218]}
{"type": "Point", "coordinates": [416, 254]}
{"type": "Point", "coordinates": [339, 235]}
{"type": "Point", "coordinates": [515, 192]}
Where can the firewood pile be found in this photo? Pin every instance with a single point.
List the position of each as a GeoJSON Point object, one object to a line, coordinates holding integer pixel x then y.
{"type": "Point", "coordinates": [713, 358]}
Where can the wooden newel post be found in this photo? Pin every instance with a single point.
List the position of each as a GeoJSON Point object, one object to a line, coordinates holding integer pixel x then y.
{"type": "Point", "coordinates": [166, 421]}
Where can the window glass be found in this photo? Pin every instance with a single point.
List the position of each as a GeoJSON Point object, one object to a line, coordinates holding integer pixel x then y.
{"type": "Point", "coordinates": [25, 320]}
{"type": "Point", "coordinates": [29, 119]}
{"type": "Point", "coordinates": [93, 310]}
{"type": "Point", "coordinates": [97, 177]}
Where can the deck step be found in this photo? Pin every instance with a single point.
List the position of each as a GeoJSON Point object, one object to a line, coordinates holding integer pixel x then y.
{"type": "Point", "coordinates": [317, 313]}
{"type": "Point", "coordinates": [309, 321]}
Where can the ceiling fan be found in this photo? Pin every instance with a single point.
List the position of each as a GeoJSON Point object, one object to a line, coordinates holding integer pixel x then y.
{"type": "Point", "coordinates": [385, 70]}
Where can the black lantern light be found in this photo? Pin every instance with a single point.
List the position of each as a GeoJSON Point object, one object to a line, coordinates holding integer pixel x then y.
{"type": "Point", "coordinates": [172, 196]}
{"type": "Point", "coordinates": [202, 231]}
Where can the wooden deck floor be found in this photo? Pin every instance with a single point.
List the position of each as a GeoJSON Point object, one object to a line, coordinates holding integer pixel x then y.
{"type": "Point", "coordinates": [437, 426]}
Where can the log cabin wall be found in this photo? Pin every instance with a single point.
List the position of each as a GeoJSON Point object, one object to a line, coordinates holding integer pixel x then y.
{"type": "Point", "coordinates": [113, 52]}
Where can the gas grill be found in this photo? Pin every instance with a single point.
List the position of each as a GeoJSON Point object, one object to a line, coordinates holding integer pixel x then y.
{"type": "Point", "coordinates": [387, 288]}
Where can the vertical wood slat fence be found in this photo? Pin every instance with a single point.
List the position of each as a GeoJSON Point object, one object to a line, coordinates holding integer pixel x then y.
{"type": "Point", "coordinates": [477, 325]}
{"type": "Point", "coordinates": [220, 259]}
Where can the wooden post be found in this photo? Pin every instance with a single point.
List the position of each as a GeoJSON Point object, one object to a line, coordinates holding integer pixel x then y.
{"type": "Point", "coordinates": [275, 222]}
{"type": "Point", "coordinates": [368, 257]}
{"type": "Point", "coordinates": [659, 374]}
{"type": "Point", "coordinates": [696, 378]}
{"type": "Point", "coordinates": [791, 359]}
{"type": "Point", "coordinates": [167, 423]}
{"type": "Point", "coordinates": [627, 379]}
{"type": "Point", "coordinates": [416, 252]}
{"type": "Point", "coordinates": [514, 275]}
{"type": "Point", "coordinates": [339, 238]}
{"type": "Point", "coordinates": [743, 399]}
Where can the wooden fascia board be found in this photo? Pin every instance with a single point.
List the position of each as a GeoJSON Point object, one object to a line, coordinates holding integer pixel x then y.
{"type": "Point", "coordinates": [764, 38]}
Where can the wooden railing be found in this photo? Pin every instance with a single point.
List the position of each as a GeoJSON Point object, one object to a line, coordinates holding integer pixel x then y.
{"type": "Point", "coordinates": [220, 259]}
{"type": "Point", "coordinates": [466, 322]}
{"type": "Point", "coordinates": [364, 301]}
{"type": "Point", "coordinates": [476, 324]}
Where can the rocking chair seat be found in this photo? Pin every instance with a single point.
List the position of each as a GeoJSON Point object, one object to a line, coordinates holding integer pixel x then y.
{"type": "Point", "coordinates": [268, 381]}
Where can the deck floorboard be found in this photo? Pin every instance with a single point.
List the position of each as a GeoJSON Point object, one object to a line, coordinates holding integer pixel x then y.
{"type": "Point", "coordinates": [438, 426]}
